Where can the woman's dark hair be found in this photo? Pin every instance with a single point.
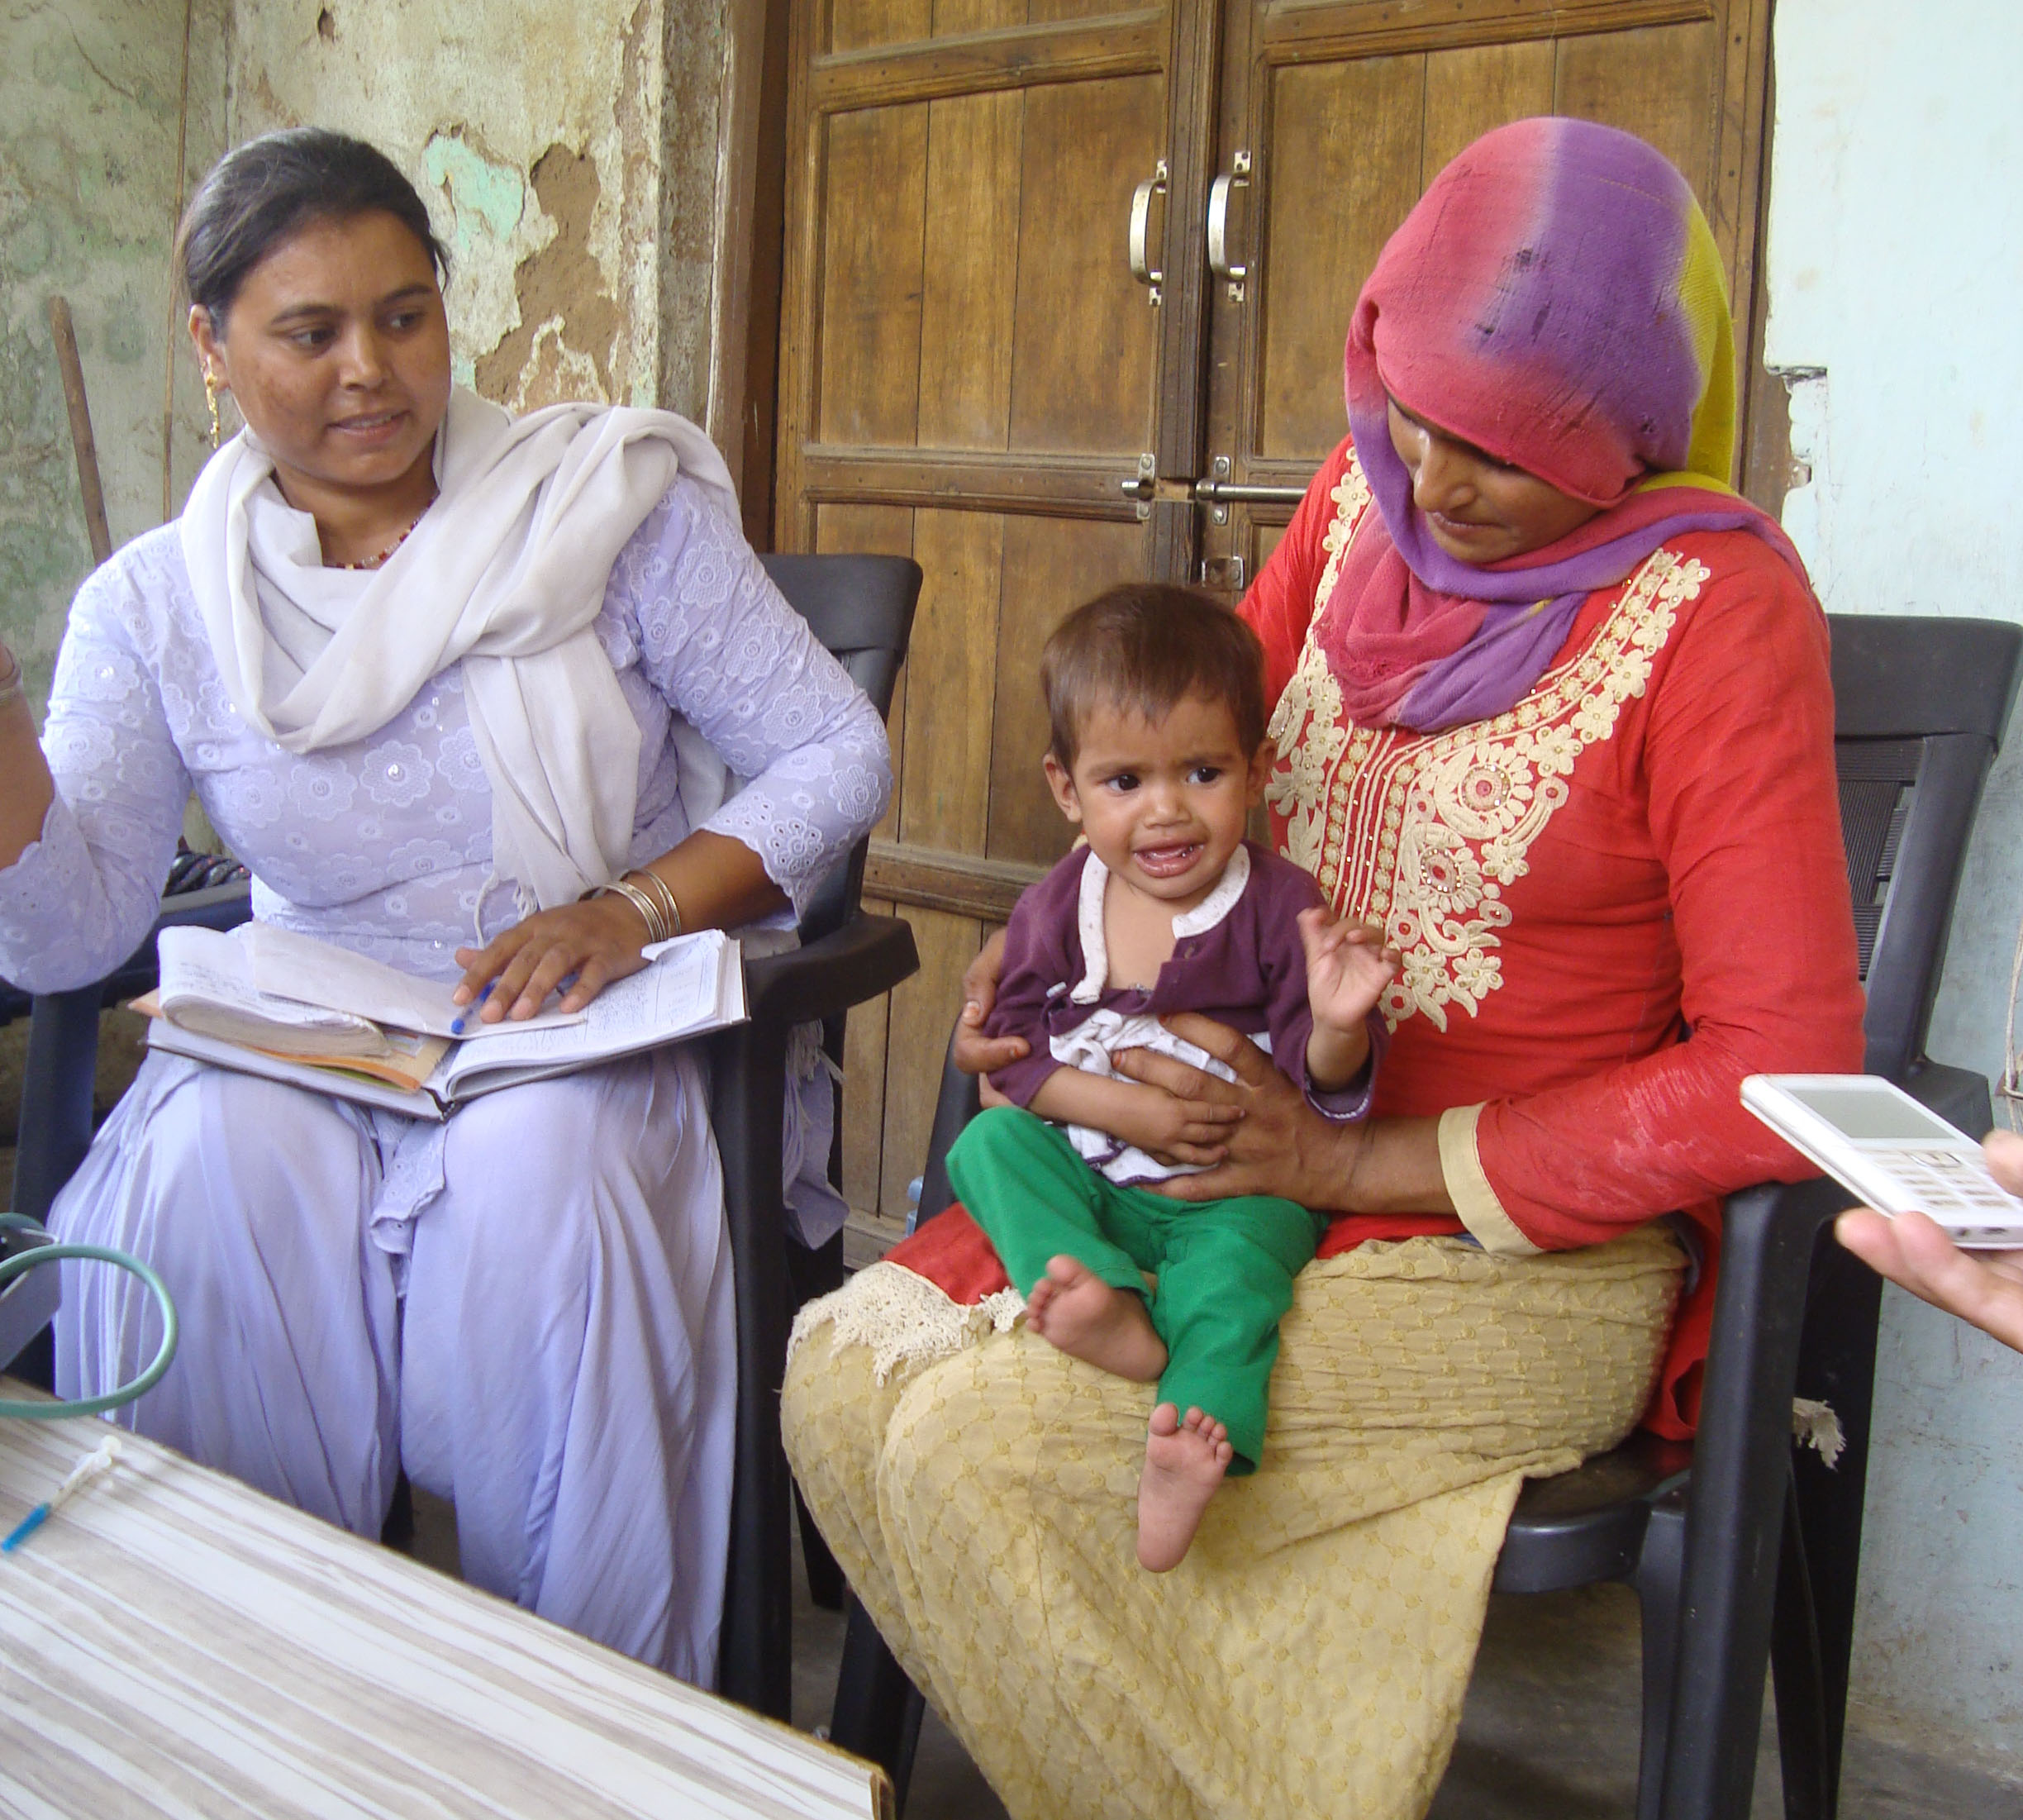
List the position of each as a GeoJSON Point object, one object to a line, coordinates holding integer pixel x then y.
{"type": "Point", "coordinates": [261, 193]}
{"type": "Point", "coordinates": [1147, 646]}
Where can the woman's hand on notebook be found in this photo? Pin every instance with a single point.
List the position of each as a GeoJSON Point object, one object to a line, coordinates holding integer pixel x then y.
{"type": "Point", "coordinates": [576, 948]}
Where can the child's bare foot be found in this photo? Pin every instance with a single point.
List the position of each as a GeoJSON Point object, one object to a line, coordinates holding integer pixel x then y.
{"type": "Point", "coordinates": [1185, 1460]}
{"type": "Point", "coordinates": [1085, 1318]}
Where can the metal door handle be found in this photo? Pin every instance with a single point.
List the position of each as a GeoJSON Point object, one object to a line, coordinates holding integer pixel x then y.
{"type": "Point", "coordinates": [1141, 230]}
{"type": "Point", "coordinates": [1237, 177]}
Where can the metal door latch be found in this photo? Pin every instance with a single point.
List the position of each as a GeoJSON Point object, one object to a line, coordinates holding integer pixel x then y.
{"type": "Point", "coordinates": [1221, 492]}
{"type": "Point", "coordinates": [1143, 485]}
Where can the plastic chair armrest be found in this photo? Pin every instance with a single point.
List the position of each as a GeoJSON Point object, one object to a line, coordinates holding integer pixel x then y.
{"type": "Point", "coordinates": [216, 907]}
{"type": "Point", "coordinates": [56, 1096]}
{"type": "Point", "coordinates": [867, 956]}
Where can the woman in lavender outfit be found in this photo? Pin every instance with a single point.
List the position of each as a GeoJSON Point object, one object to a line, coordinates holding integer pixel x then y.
{"type": "Point", "coordinates": [434, 673]}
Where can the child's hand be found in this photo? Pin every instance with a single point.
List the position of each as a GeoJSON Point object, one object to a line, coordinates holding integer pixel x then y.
{"type": "Point", "coordinates": [1174, 1130]}
{"type": "Point", "coordinates": [1149, 1118]}
{"type": "Point", "coordinates": [1347, 967]}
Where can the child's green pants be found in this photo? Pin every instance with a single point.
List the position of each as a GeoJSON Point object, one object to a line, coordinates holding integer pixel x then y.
{"type": "Point", "coordinates": [1225, 1269]}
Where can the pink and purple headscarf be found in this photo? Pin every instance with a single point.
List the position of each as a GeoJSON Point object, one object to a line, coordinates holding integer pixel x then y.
{"type": "Point", "coordinates": [1555, 298]}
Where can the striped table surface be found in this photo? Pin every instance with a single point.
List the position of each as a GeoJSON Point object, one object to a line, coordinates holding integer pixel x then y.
{"type": "Point", "coordinates": [173, 1643]}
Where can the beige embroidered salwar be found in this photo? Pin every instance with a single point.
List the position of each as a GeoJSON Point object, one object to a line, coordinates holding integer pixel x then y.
{"type": "Point", "coordinates": [1311, 1654]}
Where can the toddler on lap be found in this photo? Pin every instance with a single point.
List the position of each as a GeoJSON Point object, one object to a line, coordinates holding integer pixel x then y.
{"type": "Point", "coordinates": [1156, 700]}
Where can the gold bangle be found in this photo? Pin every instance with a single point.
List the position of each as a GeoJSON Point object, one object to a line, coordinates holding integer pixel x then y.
{"type": "Point", "coordinates": [661, 889]}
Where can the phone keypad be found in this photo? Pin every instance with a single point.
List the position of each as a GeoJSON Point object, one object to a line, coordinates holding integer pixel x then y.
{"type": "Point", "coordinates": [1955, 1190]}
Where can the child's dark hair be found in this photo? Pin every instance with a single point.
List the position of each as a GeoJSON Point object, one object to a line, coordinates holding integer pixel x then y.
{"type": "Point", "coordinates": [264, 193]}
{"type": "Point", "coordinates": [1148, 646]}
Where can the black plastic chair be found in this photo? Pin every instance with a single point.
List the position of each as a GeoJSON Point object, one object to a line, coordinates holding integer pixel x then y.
{"type": "Point", "coordinates": [63, 1048]}
{"type": "Point", "coordinates": [861, 608]}
{"type": "Point", "coordinates": [1743, 1549]}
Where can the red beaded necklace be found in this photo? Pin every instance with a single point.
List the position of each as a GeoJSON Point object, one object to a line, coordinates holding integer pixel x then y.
{"type": "Point", "coordinates": [375, 562]}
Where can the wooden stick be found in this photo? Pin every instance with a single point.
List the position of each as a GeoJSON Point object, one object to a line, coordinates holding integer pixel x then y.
{"type": "Point", "coordinates": [64, 331]}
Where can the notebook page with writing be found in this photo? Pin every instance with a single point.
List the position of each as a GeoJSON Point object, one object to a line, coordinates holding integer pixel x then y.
{"type": "Point", "coordinates": [207, 985]}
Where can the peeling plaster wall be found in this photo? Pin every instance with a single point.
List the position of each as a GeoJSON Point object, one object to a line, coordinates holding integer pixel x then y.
{"type": "Point", "coordinates": [1896, 257]}
{"type": "Point", "coordinates": [533, 130]}
{"type": "Point", "coordinates": [569, 154]}
{"type": "Point", "coordinates": [90, 97]}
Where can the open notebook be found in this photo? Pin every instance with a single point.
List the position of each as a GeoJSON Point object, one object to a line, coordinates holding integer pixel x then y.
{"type": "Point", "coordinates": [271, 1003]}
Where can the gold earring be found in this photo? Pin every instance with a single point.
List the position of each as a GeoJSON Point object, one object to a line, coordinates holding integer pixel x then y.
{"type": "Point", "coordinates": [210, 398]}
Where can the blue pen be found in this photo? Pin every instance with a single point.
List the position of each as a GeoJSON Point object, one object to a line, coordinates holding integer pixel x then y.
{"type": "Point", "coordinates": [91, 1466]}
{"type": "Point", "coordinates": [456, 1023]}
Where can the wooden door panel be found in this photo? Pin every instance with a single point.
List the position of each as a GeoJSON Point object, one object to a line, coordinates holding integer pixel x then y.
{"type": "Point", "coordinates": [865, 1042]}
{"type": "Point", "coordinates": [873, 241]}
{"type": "Point", "coordinates": [921, 1013]}
{"type": "Point", "coordinates": [956, 18]}
{"type": "Point", "coordinates": [944, 795]}
{"type": "Point", "coordinates": [1353, 132]}
{"type": "Point", "coordinates": [875, 530]}
{"type": "Point", "coordinates": [971, 247]}
{"type": "Point", "coordinates": [863, 25]}
{"type": "Point", "coordinates": [974, 331]}
{"type": "Point", "coordinates": [1661, 81]}
{"type": "Point", "coordinates": [1086, 345]}
{"type": "Point", "coordinates": [1050, 567]}
{"type": "Point", "coordinates": [860, 26]}
{"type": "Point", "coordinates": [881, 530]}
{"type": "Point", "coordinates": [968, 371]}
{"type": "Point", "coordinates": [1469, 90]}
{"type": "Point", "coordinates": [1059, 12]}
{"type": "Point", "coordinates": [1353, 144]}
{"type": "Point", "coordinates": [971, 299]}
{"type": "Point", "coordinates": [1348, 108]}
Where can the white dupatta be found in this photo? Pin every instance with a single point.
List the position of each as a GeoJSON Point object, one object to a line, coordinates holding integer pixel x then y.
{"type": "Point", "coordinates": [505, 573]}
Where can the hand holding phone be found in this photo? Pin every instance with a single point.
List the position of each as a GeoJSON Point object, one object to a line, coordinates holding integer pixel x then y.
{"type": "Point", "coordinates": [1876, 1142]}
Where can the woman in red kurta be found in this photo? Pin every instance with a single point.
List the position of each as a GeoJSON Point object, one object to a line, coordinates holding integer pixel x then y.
{"type": "Point", "coordinates": [1646, 847]}
{"type": "Point", "coordinates": [1553, 706]}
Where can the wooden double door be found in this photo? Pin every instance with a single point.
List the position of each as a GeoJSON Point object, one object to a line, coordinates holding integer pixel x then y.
{"type": "Point", "coordinates": [1067, 283]}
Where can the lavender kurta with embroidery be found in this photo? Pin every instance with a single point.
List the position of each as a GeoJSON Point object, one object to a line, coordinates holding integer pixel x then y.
{"type": "Point", "coordinates": [385, 847]}
{"type": "Point", "coordinates": [355, 1288]}
{"type": "Point", "coordinates": [1237, 958]}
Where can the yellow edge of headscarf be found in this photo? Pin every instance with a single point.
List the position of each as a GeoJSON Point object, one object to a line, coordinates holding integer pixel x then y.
{"type": "Point", "coordinates": [1677, 478]}
{"type": "Point", "coordinates": [1703, 299]}
{"type": "Point", "coordinates": [1703, 295]}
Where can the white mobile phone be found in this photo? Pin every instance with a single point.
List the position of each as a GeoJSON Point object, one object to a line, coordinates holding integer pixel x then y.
{"type": "Point", "coordinates": [1876, 1142]}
